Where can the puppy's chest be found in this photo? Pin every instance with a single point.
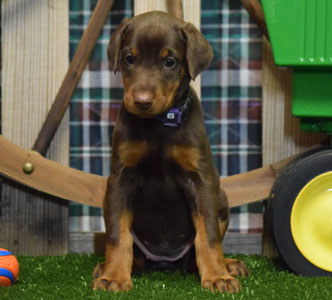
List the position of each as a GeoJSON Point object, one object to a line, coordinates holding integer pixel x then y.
{"type": "Point", "coordinates": [142, 154]}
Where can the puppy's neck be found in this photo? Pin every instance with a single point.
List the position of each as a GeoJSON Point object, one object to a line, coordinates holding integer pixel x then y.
{"type": "Point", "coordinates": [182, 91]}
{"type": "Point", "coordinates": [178, 112]}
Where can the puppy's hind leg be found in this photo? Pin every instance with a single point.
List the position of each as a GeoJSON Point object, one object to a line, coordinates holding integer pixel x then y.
{"type": "Point", "coordinates": [234, 266]}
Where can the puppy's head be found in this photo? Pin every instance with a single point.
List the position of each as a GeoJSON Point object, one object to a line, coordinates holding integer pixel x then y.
{"type": "Point", "coordinates": [156, 53]}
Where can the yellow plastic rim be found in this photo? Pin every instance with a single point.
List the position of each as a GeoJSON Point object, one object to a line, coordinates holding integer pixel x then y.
{"type": "Point", "coordinates": [311, 221]}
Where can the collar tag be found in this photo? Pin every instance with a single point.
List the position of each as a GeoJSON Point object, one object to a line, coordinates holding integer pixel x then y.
{"type": "Point", "coordinates": [175, 115]}
{"type": "Point", "coordinates": [172, 118]}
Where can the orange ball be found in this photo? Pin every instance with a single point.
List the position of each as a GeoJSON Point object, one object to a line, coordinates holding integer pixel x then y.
{"type": "Point", "coordinates": [9, 268]}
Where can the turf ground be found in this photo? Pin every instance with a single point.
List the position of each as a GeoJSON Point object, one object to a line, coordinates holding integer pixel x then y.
{"type": "Point", "coordinates": [69, 277]}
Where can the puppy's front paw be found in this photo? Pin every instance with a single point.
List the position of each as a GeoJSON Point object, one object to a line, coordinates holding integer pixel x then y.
{"type": "Point", "coordinates": [112, 284]}
{"type": "Point", "coordinates": [222, 284]}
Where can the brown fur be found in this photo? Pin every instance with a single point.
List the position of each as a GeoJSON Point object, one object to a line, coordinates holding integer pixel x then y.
{"type": "Point", "coordinates": [116, 273]}
{"type": "Point", "coordinates": [186, 157]}
{"type": "Point", "coordinates": [210, 262]}
{"type": "Point", "coordinates": [164, 53]}
{"type": "Point", "coordinates": [131, 153]}
{"type": "Point", "coordinates": [134, 51]}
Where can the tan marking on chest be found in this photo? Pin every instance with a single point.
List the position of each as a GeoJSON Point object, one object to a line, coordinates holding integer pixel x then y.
{"type": "Point", "coordinates": [131, 153]}
{"type": "Point", "coordinates": [186, 157]}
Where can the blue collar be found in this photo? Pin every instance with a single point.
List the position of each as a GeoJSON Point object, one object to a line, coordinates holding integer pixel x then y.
{"type": "Point", "coordinates": [175, 115]}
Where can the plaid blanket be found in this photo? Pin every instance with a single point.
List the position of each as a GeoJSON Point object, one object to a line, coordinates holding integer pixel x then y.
{"type": "Point", "coordinates": [231, 98]}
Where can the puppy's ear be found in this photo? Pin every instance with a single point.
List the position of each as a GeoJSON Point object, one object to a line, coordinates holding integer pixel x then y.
{"type": "Point", "coordinates": [115, 44]}
{"type": "Point", "coordinates": [199, 53]}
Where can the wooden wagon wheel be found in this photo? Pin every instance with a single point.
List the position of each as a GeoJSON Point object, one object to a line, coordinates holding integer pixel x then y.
{"type": "Point", "coordinates": [74, 185]}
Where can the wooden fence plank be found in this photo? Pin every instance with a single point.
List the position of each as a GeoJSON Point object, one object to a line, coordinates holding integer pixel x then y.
{"type": "Point", "coordinates": [35, 57]}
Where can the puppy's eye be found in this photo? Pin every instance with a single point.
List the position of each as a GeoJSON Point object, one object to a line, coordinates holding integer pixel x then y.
{"type": "Point", "coordinates": [169, 62]}
{"type": "Point", "coordinates": [129, 59]}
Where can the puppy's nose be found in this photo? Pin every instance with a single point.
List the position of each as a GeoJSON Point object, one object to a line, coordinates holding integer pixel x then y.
{"type": "Point", "coordinates": [143, 100]}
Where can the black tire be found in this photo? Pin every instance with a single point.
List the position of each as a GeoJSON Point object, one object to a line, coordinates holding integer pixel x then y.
{"type": "Point", "coordinates": [283, 194]}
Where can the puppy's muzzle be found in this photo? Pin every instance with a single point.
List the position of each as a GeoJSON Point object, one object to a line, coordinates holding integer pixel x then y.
{"type": "Point", "coordinates": [143, 100]}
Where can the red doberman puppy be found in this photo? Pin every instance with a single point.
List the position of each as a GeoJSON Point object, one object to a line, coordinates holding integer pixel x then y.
{"type": "Point", "coordinates": [163, 198]}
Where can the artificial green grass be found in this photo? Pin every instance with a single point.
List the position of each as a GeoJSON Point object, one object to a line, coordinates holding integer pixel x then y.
{"type": "Point", "coordinates": [69, 277]}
